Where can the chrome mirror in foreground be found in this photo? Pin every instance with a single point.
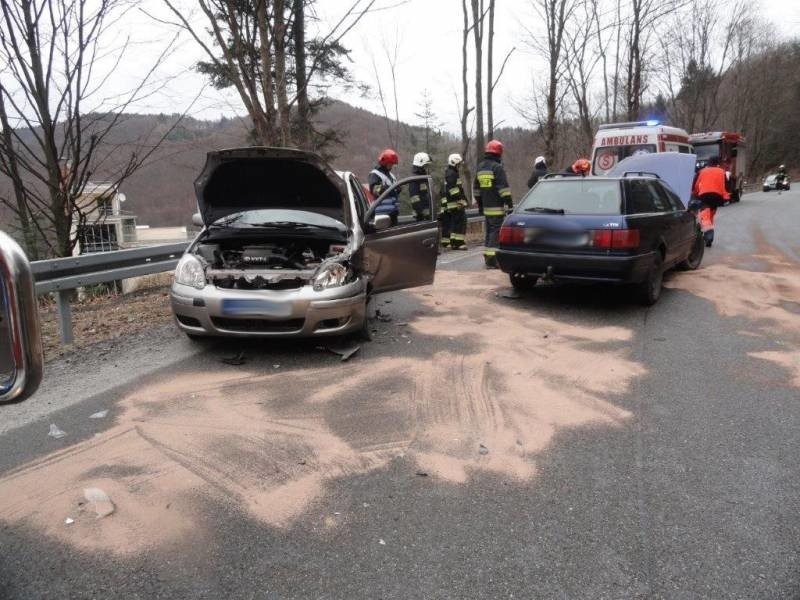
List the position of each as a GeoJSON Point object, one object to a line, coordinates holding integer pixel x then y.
{"type": "Point", "coordinates": [20, 340]}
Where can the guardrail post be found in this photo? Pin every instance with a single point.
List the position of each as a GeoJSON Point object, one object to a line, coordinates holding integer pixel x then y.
{"type": "Point", "coordinates": [64, 315]}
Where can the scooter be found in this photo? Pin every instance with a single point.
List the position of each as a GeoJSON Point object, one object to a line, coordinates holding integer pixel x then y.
{"type": "Point", "coordinates": [782, 183]}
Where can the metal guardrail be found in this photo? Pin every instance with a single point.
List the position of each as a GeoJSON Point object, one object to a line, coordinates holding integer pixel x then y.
{"type": "Point", "coordinates": [62, 275]}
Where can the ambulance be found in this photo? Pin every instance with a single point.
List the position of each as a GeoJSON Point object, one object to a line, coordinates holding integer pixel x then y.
{"type": "Point", "coordinates": [615, 141]}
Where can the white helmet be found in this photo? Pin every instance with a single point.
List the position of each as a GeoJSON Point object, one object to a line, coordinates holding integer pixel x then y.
{"type": "Point", "coordinates": [782, 167]}
{"type": "Point", "coordinates": [454, 160]}
{"type": "Point", "coordinates": [539, 161]}
{"type": "Point", "coordinates": [421, 159]}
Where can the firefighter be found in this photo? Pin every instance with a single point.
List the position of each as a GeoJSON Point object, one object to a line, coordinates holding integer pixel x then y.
{"type": "Point", "coordinates": [579, 167]}
{"type": "Point", "coordinates": [456, 203]}
{"type": "Point", "coordinates": [494, 197]}
{"type": "Point", "coordinates": [381, 179]}
{"type": "Point", "coordinates": [539, 171]}
{"type": "Point", "coordinates": [711, 189]}
{"type": "Point", "coordinates": [418, 190]}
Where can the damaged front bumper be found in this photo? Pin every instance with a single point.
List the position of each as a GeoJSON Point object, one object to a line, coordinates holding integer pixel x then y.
{"type": "Point", "coordinates": [300, 312]}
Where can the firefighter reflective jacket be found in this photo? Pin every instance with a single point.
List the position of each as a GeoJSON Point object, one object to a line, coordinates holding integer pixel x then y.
{"type": "Point", "coordinates": [491, 187]}
{"type": "Point", "coordinates": [711, 180]}
{"type": "Point", "coordinates": [453, 195]}
{"type": "Point", "coordinates": [420, 194]}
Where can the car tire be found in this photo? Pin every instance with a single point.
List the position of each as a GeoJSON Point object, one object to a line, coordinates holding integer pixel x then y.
{"type": "Point", "coordinates": [696, 254]}
{"type": "Point", "coordinates": [650, 288]}
{"type": "Point", "coordinates": [765, 189]}
{"type": "Point", "coordinates": [523, 281]}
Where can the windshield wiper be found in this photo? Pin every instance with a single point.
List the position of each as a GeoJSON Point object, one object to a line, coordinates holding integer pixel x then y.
{"type": "Point", "coordinates": [292, 225]}
{"type": "Point", "coordinates": [542, 209]}
{"type": "Point", "coordinates": [226, 222]}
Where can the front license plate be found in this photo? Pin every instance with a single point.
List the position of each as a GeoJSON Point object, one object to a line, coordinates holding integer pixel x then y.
{"type": "Point", "coordinates": [255, 308]}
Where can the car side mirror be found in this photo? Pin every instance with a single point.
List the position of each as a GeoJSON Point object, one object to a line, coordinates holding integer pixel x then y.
{"type": "Point", "coordinates": [381, 222]}
{"type": "Point", "coordinates": [197, 220]}
{"type": "Point", "coordinates": [20, 339]}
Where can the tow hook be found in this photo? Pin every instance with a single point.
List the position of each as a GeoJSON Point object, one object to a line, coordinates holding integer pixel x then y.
{"type": "Point", "coordinates": [548, 276]}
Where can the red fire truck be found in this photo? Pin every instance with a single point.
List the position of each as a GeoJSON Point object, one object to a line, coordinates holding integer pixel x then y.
{"type": "Point", "coordinates": [730, 148]}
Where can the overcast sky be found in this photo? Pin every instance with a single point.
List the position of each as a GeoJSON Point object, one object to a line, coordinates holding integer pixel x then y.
{"type": "Point", "coordinates": [428, 37]}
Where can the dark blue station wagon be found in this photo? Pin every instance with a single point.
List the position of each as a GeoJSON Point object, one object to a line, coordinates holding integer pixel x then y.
{"type": "Point", "coordinates": [626, 229]}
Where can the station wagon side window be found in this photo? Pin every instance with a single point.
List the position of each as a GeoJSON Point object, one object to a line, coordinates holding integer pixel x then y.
{"type": "Point", "coordinates": [673, 199]}
{"type": "Point", "coordinates": [644, 197]}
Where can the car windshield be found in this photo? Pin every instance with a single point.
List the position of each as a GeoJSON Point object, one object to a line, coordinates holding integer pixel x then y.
{"type": "Point", "coordinates": [279, 218]}
{"type": "Point", "coordinates": [574, 196]}
{"type": "Point", "coordinates": [771, 178]}
{"type": "Point", "coordinates": [706, 151]}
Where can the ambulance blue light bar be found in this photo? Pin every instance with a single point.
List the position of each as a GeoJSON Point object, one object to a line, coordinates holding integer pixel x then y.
{"type": "Point", "coordinates": [629, 125]}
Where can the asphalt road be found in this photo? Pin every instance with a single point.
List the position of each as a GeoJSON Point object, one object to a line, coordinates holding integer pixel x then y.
{"type": "Point", "coordinates": [567, 443]}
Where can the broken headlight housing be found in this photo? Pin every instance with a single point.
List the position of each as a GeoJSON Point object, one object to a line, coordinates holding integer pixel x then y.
{"type": "Point", "coordinates": [190, 272]}
{"type": "Point", "coordinates": [332, 274]}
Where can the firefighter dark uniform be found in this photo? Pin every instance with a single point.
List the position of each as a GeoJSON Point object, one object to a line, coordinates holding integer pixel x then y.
{"type": "Point", "coordinates": [711, 188]}
{"type": "Point", "coordinates": [494, 197]}
{"type": "Point", "coordinates": [456, 205]}
{"type": "Point", "coordinates": [445, 220]}
{"type": "Point", "coordinates": [420, 196]}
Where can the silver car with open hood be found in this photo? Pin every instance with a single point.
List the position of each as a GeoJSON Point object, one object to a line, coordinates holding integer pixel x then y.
{"type": "Point", "coordinates": [290, 247]}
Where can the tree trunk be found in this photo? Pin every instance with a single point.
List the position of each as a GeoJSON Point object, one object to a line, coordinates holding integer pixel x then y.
{"type": "Point", "coordinates": [477, 32]}
{"type": "Point", "coordinates": [465, 110]}
{"type": "Point", "coordinates": [303, 131]}
{"type": "Point", "coordinates": [490, 73]}
{"type": "Point", "coordinates": [281, 83]}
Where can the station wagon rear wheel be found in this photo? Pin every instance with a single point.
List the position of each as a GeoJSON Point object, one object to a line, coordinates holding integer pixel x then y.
{"type": "Point", "coordinates": [523, 281]}
{"type": "Point", "coordinates": [650, 288]}
{"type": "Point", "coordinates": [696, 254]}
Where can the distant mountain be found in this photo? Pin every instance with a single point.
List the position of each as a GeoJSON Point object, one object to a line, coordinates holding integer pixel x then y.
{"type": "Point", "coordinates": [161, 193]}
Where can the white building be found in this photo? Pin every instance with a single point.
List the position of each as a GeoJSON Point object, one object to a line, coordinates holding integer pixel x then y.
{"type": "Point", "coordinates": [107, 227]}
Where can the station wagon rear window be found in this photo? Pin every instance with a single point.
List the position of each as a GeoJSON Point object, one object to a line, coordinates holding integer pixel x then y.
{"type": "Point", "coordinates": [575, 196]}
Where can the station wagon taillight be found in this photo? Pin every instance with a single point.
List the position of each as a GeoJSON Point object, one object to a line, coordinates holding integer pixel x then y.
{"type": "Point", "coordinates": [512, 235]}
{"type": "Point", "coordinates": [615, 239]}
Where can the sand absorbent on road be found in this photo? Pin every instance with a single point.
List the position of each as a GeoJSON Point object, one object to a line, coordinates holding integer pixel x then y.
{"type": "Point", "coordinates": [267, 443]}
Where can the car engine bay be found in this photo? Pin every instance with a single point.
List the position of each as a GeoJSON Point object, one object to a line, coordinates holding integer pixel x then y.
{"type": "Point", "coordinates": [252, 264]}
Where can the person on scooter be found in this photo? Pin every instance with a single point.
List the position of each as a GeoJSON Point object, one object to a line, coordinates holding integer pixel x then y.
{"type": "Point", "coordinates": [711, 189]}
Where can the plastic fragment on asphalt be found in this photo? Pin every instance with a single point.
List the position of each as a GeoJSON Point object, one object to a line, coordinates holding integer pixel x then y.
{"type": "Point", "coordinates": [69, 521]}
{"type": "Point", "coordinates": [99, 414]}
{"type": "Point", "coordinates": [510, 294]}
{"type": "Point", "coordinates": [237, 360]}
{"type": "Point", "coordinates": [381, 542]}
{"type": "Point", "coordinates": [55, 432]}
{"type": "Point", "coordinates": [483, 449]}
{"type": "Point", "coordinates": [346, 352]}
{"type": "Point", "coordinates": [422, 473]}
{"type": "Point", "coordinates": [100, 501]}
{"type": "Point", "coordinates": [382, 317]}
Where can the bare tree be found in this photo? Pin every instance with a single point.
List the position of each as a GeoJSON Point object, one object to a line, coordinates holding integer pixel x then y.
{"type": "Point", "coordinates": [581, 38]}
{"type": "Point", "coordinates": [249, 46]}
{"type": "Point", "coordinates": [466, 109]}
{"type": "Point", "coordinates": [56, 124]}
{"type": "Point", "coordinates": [555, 14]}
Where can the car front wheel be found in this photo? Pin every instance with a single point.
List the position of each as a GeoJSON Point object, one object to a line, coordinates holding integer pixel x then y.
{"type": "Point", "coordinates": [523, 281]}
{"type": "Point", "coordinates": [650, 288]}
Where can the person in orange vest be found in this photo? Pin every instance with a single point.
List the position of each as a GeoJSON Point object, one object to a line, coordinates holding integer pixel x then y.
{"type": "Point", "coordinates": [711, 189]}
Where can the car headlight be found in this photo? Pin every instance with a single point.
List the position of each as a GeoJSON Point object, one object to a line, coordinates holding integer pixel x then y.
{"type": "Point", "coordinates": [330, 275]}
{"type": "Point", "coordinates": [190, 272]}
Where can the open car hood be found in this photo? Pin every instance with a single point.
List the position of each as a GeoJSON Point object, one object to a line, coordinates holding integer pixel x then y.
{"type": "Point", "coordinates": [240, 179]}
{"type": "Point", "coordinates": [676, 170]}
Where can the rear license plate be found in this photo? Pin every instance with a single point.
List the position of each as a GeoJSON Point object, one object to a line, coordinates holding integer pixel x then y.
{"type": "Point", "coordinates": [255, 308]}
